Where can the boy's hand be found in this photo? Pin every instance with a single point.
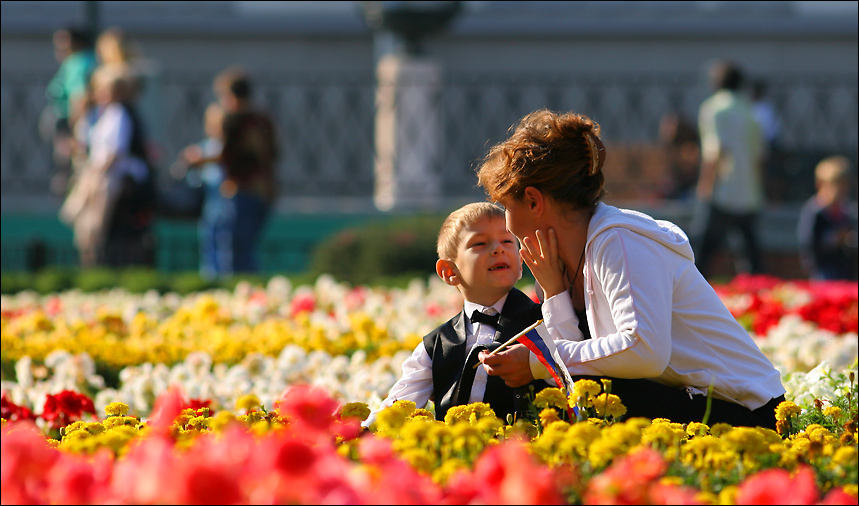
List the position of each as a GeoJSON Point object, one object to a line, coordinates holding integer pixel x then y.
{"type": "Point", "coordinates": [511, 365]}
{"type": "Point", "coordinates": [542, 259]}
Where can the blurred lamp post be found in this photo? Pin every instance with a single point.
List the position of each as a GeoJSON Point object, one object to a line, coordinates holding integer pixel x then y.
{"type": "Point", "coordinates": [408, 132]}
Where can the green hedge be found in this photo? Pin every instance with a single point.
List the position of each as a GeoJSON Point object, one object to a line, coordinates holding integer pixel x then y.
{"type": "Point", "coordinates": [133, 279]}
{"type": "Point", "coordinates": [389, 253]}
{"type": "Point", "coordinates": [380, 253]}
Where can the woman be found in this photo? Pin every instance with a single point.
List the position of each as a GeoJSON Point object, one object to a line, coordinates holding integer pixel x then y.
{"type": "Point", "coordinates": [110, 205]}
{"type": "Point", "coordinates": [623, 299]}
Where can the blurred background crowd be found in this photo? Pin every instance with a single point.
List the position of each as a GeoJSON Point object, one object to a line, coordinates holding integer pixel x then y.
{"type": "Point", "coordinates": [234, 137]}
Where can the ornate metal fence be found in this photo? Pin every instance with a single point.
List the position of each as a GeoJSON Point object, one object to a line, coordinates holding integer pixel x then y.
{"type": "Point", "coordinates": [326, 121]}
{"type": "Point", "coordinates": [326, 125]}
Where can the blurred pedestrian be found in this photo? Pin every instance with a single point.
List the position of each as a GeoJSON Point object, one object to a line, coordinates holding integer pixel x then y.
{"type": "Point", "coordinates": [247, 157]}
{"type": "Point", "coordinates": [111, 203]}
{"type": "Point", "coordinates": [66, 98]}
{"type": "Point", "coordinates": [679, 139]}
{"type": "Point", "coordinates": [114, 49]}
{"type": "Point", "coordinates": [730, 188]}
{"type": "Point", "coordinates": [827, 226]}
{"type": "Point", "coordinates": [207, 174]}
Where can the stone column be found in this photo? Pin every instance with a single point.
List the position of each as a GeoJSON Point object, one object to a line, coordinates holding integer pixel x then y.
{"type": "Point", "coordinates": [408, 133]}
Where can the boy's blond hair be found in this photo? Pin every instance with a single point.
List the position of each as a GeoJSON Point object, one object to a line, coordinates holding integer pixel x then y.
{"type": "Point", "coordinates": [832, 169]}
{"type": "Point", "coordinates": [449, 235]}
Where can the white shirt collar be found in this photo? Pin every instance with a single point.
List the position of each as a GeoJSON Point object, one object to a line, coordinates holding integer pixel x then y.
{"type": "Point", "coordinates": [469, 307]}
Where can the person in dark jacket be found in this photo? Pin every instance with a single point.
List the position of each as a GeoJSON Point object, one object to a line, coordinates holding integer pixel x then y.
{"type": "Point", "coordinates": [827, 224]}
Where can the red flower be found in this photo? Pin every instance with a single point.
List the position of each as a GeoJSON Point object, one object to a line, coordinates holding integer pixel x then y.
{"type": "Point", "coordinates": [505, 474]}
{"type": "Point", "coordinates": [167, 407]}
{"type": "Point", "coordinates": [302, 303]}
{"type": "Point", "coordinates": [776, 486]}
{"type": "Point", "coordinates": [309, 409]}
{"type": "Point", "coordinates": [13, 412]}
{"type": "Point", "coordinates": [66, 407]}
{"type": "Point", "coordinates": [838, 496]}
{"type": "Point", "coordinates": [75, 479]}
{"type": "Point", "coordinates": [196, 404]}
{"type": "Point", "coordinates": [632, 480]}
{"type": "Point", "coordinates": [25, 459]}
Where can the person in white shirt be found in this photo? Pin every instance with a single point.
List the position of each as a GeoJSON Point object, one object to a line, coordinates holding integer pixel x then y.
{"type": "Point", "coordinates": [110, 205]}
{"type": "Point", "coordinates": [730, 187]}
{"type": "Point", "coordinates": [623, 298]}
{"type": "Point", "coordinates": [480, 257]}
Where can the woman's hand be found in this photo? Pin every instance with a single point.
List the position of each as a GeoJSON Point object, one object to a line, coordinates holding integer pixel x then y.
{"type": "Point", "coordinates": [512, 365]}
{"type": "Point", "coordinates": [542, 259]}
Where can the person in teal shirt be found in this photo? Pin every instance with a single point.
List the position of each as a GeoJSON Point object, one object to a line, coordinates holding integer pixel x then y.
{"type": "Point", "coordinates": [66, 95]}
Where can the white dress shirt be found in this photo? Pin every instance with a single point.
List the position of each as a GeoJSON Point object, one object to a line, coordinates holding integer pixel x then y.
{"type": "Point", "coordinates": [416, 382]}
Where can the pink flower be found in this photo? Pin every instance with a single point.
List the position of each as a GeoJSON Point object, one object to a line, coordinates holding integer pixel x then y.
{"type": "Point", "coordinates": [81, 480]}
{"type": "Point", "coordinates": [629, 480]}
{"type": "Point", "coordinates": [777, 486]}
{"type": "Point", "coordinates": [391, 480]}
{"type": "Point", "coordinates": [838, 496]}
{"type": "Point", "coordinates": [355, 298]}
{"type": "Point", "coordinates": [505, 474]}
{"type": "Point", "coordinates": [25, 461]}
{"type": "Point", "coordinates": [167, 407]}
{"type": "Point", "coordinates": [310, 409]}
{"type": "Point", "coordinates": [302, 303]}
{"type": "Point", "coordinates": [147, 473]}
{"type": "Point", "coordinates": [672, 494]}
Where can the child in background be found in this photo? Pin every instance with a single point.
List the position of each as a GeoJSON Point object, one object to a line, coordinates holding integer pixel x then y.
{"type": "Point", "coordinates": [828, 223]}
{"type": "Point", "coordinates": [480, 257]}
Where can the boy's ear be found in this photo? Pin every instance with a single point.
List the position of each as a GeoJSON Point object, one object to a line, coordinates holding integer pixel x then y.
{"type": "Point", "coordinates": [446, 270]}
{"type": "Point", "coordinates": [534, 199]}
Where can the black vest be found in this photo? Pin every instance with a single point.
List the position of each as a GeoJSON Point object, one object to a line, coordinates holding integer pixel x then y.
{"type": "Point", "coordinates": [446, 346]}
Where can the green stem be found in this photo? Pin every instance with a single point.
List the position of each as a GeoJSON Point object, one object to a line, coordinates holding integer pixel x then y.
{"type": "Point", "coordinates": [709, 402]}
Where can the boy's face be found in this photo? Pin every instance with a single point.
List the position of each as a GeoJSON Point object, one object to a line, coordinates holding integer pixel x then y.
{"type": "Point", "coordinates": [487, 261]}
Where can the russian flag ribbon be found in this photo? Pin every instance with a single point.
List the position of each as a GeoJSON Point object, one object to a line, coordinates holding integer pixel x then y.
{"type": "Point", "coordinates": [540, 342]}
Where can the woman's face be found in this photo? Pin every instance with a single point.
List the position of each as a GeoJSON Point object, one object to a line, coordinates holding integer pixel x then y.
{"type": "Point", "coordinates": [517, 213]}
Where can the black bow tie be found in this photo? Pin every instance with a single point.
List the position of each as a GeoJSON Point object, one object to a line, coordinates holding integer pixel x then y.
{"type": "Point", "coordinates": [479, 317]}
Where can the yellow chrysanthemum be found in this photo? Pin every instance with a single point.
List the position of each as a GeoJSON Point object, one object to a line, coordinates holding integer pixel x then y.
{"type": "Point", "coordinates": [116, 409]}
{"type": "Point", "coordinates": [550, 397]}
{"type": "Point", "coordinates": [720, 428]}
{"type": "Point", "coordinates": [547, 416]}
{"type": "Point", "coordinates": [247, 402]}
{"type": "Point", "coordinates": [586, 388]}
{"type": "Point", "coordinates": [697, 429]}
{"type": "Point", "coordinates": [468, 413]}
{"type": "Point", "coordinates": [391, 418]}
{"type": "Point", "coordinates": [833, 411]}
{"type": "Point", "coordinates": [728, 495]}
{"type": "Point", "coordinates": [845, 456]}
{"type": "Point", "coordinates": [357, 410]}
{"type": "Point", "coordinates": [448, 468]}
{"type": "Point", "coordinates": [609, 405]}
{"type": "Point", "coordinates": [422, 413]}
{"type": "Point", "coordinates": [786, 409]}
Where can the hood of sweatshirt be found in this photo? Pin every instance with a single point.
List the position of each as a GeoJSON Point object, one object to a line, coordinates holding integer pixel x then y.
{"type": "Point", "coordinates": [666, 233]}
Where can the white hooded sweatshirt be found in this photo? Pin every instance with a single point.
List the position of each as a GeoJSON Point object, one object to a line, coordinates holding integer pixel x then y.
{"type": "Point", "coordinates": [652, 315]}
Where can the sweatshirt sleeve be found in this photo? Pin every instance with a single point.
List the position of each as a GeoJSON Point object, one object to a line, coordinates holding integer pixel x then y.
{"type": "Point", "coordinates": [632, 272]}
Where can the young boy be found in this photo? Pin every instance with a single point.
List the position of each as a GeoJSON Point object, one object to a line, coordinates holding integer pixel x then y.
{"type": "Point", "coordinates": [478, 256]}
{"type": "Point", "coordinates": [827, 224]}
